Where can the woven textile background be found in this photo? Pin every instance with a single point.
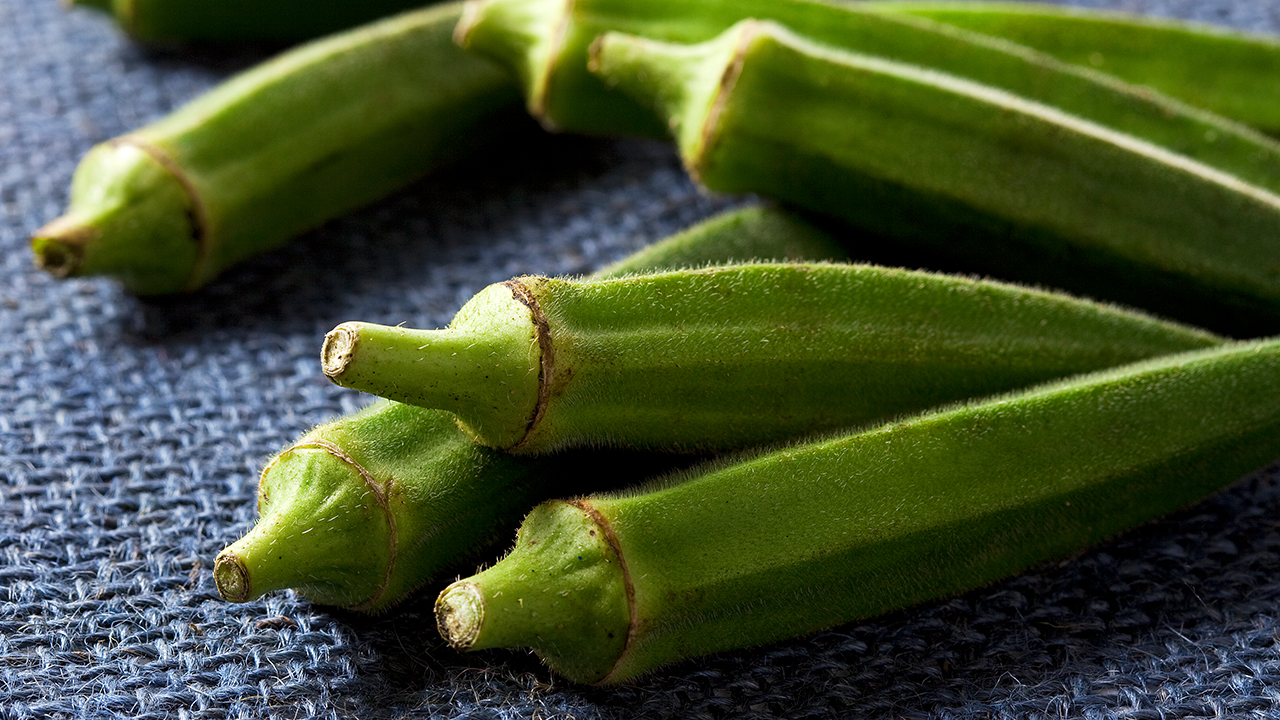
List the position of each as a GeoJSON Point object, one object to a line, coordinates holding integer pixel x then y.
{"type": "Point", "coordinates": [132, 432]}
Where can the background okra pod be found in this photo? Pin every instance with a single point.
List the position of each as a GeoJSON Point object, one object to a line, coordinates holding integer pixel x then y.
{"type": "Point", "coordinates": [361, 511]}
{"type": "Point", "coordinates": [951, 169]}
{"type": "Point", "coordinates": [723, 358]}
{"type": "Point", "coordinates": [168, 20]}
{"type": "Point", "coordinates": [1229, 72]}
{"type": "Point", "coordinates": [545, 42]}
{"type": "Point", "coordinates": [277, 150]}
{"type": "Point", "coordinates": [818, 534]}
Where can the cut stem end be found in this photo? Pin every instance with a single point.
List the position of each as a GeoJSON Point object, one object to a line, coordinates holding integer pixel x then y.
{"type": "Point", "coordinates": [232, 578]}
{"type": "Point", "coordinates": [339, 347]}
{"type": "Point", "coordinates": [460, 614]}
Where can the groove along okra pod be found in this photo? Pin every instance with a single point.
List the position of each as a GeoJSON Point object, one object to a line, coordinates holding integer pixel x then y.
{"type": "Point", "coordinates": [545, 42]}
{"type": "Point", "coordinates": [170, 20]}
{"type": "Point", "coordinates": [609, 586]}
{"type": "Point", "coordinates": [276, 150]}
{"type": "Point", "coordinates": [1229, 72]}
{"type": "Point", "coordinates": [958, 170]}
{"type": "Point", "coordinates": [723, 358]}
{"type": "Point", "coordinates": [361, 511]}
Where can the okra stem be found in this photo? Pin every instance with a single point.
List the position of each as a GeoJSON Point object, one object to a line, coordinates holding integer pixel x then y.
{"type": "Point", "coordinates": [316, 132]}
{"type": "Point", "coordinates": [729, 357]}
{"type": "Point", "coordinates": [822, 533]}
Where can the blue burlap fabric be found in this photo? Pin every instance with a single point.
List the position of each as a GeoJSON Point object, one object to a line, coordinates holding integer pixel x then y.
{"type": "Point", "coordinates": [132, 432]}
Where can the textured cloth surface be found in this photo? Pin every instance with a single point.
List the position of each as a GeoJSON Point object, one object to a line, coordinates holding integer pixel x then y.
{"type": "Point", "coordinates": [132, 432]}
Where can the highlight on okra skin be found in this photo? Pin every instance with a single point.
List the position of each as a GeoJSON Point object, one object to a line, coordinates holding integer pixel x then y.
{"type": "Point", "coordinates": [965, 174]}
{"type": "Point", "coordinates": [279, 149]}
{"type": "Point", "coordinates": [813, 535]}
{"type": "Point", "coordinates": [363, 510]}
{"type": "Point", "coordinates": [546, 44]}
{"type": "Point", "coordinates": [723, 358]}
{"type": "Point", "coordinates": [222, 20]}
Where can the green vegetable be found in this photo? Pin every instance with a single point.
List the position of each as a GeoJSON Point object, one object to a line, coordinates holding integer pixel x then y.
{"type": "Point", "coordinates": [1229, 72]}
{"type": "Point", "coordinates": [814, 535]}
{"type": "Point", "coordinates": [162, 20]}
{"type": "Point", "coordinates": [724, 358]}
{"type": "Point", "coordinates": [281, 148]}
{"type": "Point", "coordinates": [963, 172]}
{"type": "Point", "coordinates": [363, 510]}
{"type": "Point", "coordinates": [545, 42]}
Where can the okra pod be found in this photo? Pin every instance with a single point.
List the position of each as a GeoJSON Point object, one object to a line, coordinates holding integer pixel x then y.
{"type": "Point", "coordinates": [1232, 73]}
{"type": "Point", "coordinates": [363, 510]}
{"type": "Point", "coordinates": [983, 179]}
{"type": "Point", "coordinates": [810, 536]}
{"type": "Point", "coordinates": [177, 20]}
{"type": "Point", "coordinates": [277, 150]}
{"type": "Point", "coordinates": [545, 42]}
{"type": "Point", "coordinates": [723, 358]}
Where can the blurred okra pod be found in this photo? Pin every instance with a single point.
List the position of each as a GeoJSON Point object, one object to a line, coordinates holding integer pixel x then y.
{"type": "Point", "coordinates": [818, 534]}
{"type": "Point", "coordinates": [962, 171]}
{"type": "Point", "coordinates": [276, 150]}
{"type": "Point", "coordinates": [730, 357]}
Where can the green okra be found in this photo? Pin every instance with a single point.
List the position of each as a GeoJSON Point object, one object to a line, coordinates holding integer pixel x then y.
{"type": "Point", "coordinates": [956, 170]}
{"type": "Point", "coordinates": [176, 20]}
{"type": "Point", "coordinates": [363, 510]}
{"type": "Point", "coordinates": [730, 357]}
{"type": "Point", "coordinates": [545, 42]}
{"type": "Point", "coordinates": [276, 150]}
{"type": "Point", "coordinates": [810, 536]}
{"type": "Point", "coordinates": [1233, 73]}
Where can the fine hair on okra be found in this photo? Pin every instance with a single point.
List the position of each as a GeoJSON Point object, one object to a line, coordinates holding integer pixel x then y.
{"type": "Point", "coordinates": [224, 20]}
{"type": "Point", "coordinates": [962, 173]}
{"type": "Point", "coordinates": [817, 534]}
{"type": "Point", "coordinates": [1230, 72]}
{"type": "Point", "coordinates": [722, 358]}
{"type": "Point", "coordinates": [362, 510]}
{"type": "Point", "coordinates": [546, 43]}
{"type": "Point", "coordinates": [276, 150]}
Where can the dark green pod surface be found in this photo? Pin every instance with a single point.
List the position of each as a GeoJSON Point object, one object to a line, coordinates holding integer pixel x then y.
{"type": "Point", "coordinates": [828, 532]}
{"type": "Point", "coordinates": [959, 170]}
{"type": "Point", "coordinates": [169, 20]}
{"type": "Point", "coordinates": [546, 43]}
{"type": "Point", "coordinates": [724, 358]}
{"type": "Point", "coordinates": [363, 510]}
{"type": "Point", "coordinates": [1229, 72]}
{"type": "Point", "coordinates": [279, 149]}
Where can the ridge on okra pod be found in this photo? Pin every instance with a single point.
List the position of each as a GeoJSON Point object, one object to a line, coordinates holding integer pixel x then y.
{"type": "Point", "coordinates": [361, 511]}
{"type": "Point", "coordinates": [546, 44]}
{"type": "Point", "coordinates": [962, 173]}
{"type": "Point", "coordinates": [813, 535]}
{"type": "Point", "coordinates": [276, 150]}
{"type": "Point", "coordinates": [727, 357]}
{"type": "Point", "coordinates": [222, 20]}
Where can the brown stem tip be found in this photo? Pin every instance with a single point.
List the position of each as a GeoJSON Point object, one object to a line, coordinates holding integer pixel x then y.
{"type": "Point", "coordinates": [339, 347]}
{"type": "Point", "coordinates": [232, 577]}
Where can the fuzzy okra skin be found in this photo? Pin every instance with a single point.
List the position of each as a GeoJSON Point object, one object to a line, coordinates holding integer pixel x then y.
{"type": "Point", "coordinates": [724, 358]}
{"type": "Point", "coordinates": [813, 535]}
{"type": "Point", "coordinates": [982, 179]}
{"type": "Point", "coordinates": [546, 43]}
{"type": "Point", "coordinates": [320, 130]}
{"type": "Point", "coordinates": [361, 511]}
{"type": "Point", "coordinates": [1232, 73]}
{"type": "Point", "coordinates": [222, 20]}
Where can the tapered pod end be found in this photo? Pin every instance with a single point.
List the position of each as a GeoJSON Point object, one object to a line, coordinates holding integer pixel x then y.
{"type": "Point", "coordinates": [563, 591]}
{"type": "Point", "coordinates": [325, 528]}
{"type": "Point", "coordinates": [520, 35]}
{"type": "Point", "coordinates": [129, 218]}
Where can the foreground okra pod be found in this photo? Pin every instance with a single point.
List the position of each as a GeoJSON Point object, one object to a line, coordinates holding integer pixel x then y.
{"type": "Point", "coordinates": [277, 150]}
{"type": "Point", "coordinates": [814, 535]}
{"type": "Point", "coordinates": [986, 180]}
{"type": "Point", "coordinates": [174, 20]}
{"type": "Point", "coordinates": [361, 511]}
{"type": "Point", "coordinates": [724, 358]}
{"type": "Point", "coordinates": [545, 42]}
{"type": "Point", "coordinates": [1229, 72]}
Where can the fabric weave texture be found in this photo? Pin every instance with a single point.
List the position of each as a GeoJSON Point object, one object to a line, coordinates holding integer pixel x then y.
{"type": "Point", "coordinates": [132, 433]}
